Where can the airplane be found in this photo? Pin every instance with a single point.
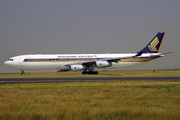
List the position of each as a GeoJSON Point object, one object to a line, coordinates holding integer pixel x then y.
{"type": "Point", "coordinates": [87, 63]}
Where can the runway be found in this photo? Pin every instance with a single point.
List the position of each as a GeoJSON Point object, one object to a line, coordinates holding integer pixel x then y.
{"type": "Point", "coordinates": [57, 80]}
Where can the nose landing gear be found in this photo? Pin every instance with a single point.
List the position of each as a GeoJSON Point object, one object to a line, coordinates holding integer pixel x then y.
{"type": "Point", "coordinates": [22, 72]}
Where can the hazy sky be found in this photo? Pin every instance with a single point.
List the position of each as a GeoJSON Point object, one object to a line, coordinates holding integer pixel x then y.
{"type": "Point", "coordinates": [89, 26]}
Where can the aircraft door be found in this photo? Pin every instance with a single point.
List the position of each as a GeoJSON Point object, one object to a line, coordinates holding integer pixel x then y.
{"type": "Point", "coordinates": [21, 60]}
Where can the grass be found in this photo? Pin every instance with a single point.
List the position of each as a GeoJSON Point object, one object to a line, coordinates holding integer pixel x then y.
{"type": "Point", "coordinates": [140, 73]}
{"type": "Point", "coordinates": [90, 100]}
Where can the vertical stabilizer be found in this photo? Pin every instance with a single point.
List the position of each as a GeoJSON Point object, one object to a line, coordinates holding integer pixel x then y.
{"type": "Point", "coordinates": [154, 45]}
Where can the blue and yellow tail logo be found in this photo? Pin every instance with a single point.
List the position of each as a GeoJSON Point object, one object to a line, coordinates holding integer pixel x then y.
{"type": "Point", "coordinates": [153, 44]}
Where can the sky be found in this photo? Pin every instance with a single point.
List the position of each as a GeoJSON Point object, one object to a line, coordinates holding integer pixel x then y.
{"type": "Point", "coordinates": [89, 26]}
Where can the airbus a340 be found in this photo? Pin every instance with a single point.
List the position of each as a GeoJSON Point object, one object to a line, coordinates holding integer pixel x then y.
{"type": "Point", "coordinates": [86, 62]}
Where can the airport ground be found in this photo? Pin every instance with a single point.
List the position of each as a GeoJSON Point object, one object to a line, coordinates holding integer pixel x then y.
{"type": "Point", "coordinates": [115, 100]}
{"type": "Point", "coordinates": [133, 73]}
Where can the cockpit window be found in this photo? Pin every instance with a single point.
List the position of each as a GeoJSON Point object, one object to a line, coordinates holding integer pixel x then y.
{"type": "Point", "coordinates": [10, 60]}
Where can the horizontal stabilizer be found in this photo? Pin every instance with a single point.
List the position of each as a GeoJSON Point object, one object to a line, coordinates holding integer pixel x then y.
{"type": "Point", "coordinates": [162, 54]}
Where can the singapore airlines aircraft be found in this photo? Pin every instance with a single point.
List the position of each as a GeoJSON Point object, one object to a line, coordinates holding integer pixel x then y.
{"type": "Point", "coordinates": [86, 62]}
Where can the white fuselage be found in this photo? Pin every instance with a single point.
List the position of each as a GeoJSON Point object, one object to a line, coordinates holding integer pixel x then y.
{"type": "Point", "coordinates": [57, 61]}
{"type": "Point", "coordinates": [87, 62]}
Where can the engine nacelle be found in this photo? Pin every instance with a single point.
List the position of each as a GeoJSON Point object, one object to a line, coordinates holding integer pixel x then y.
{"type": "Point", "coordinates": [77, 67]}
{"type": "Point", "coordinates": [64, 68]}
{"type": "Point", "coordinates": [101, 64]}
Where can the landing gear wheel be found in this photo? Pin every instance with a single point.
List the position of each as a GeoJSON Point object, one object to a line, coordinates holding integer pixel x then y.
{"type": "Point", "coordinates": [90, 72]}
{"type": "Point", "coordinates": [83, 72]}
{"type": "Point", "coordinates": [22, 72]}
{"type": "Point", "coordinates": [96, 72]}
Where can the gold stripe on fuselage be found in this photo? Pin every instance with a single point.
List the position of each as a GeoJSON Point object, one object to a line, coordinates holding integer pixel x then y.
{"type": "Point", "coordinates": [135, 60]}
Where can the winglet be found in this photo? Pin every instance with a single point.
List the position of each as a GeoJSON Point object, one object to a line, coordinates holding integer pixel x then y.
{"type": "Point", "coordinates": [154, 45]}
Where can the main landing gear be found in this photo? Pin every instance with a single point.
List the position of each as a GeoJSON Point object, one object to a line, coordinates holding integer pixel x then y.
{"type": "Point", "coordinates": [90, 72]}
{"type": "Point", "coordinates": [22, 72]}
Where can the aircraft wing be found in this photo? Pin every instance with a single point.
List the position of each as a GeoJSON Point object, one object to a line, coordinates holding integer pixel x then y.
{"type": "Point", "coordinates": [116, 59]}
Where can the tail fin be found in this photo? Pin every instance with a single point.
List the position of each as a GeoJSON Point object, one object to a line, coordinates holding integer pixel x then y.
{"type": "Point", "coordinates": [154, 45]}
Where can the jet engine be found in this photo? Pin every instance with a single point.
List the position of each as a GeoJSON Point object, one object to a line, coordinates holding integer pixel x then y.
{"type": "Point", "coordinates": [101, 64]}
{"type": "Point", "coordinates": [64, 68]}
{"type": "Point", "coordinates": [77, 67]}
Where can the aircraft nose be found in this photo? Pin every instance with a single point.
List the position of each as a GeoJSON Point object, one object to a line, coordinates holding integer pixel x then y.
{"type": "Point", "coordinates": [5, 62]}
